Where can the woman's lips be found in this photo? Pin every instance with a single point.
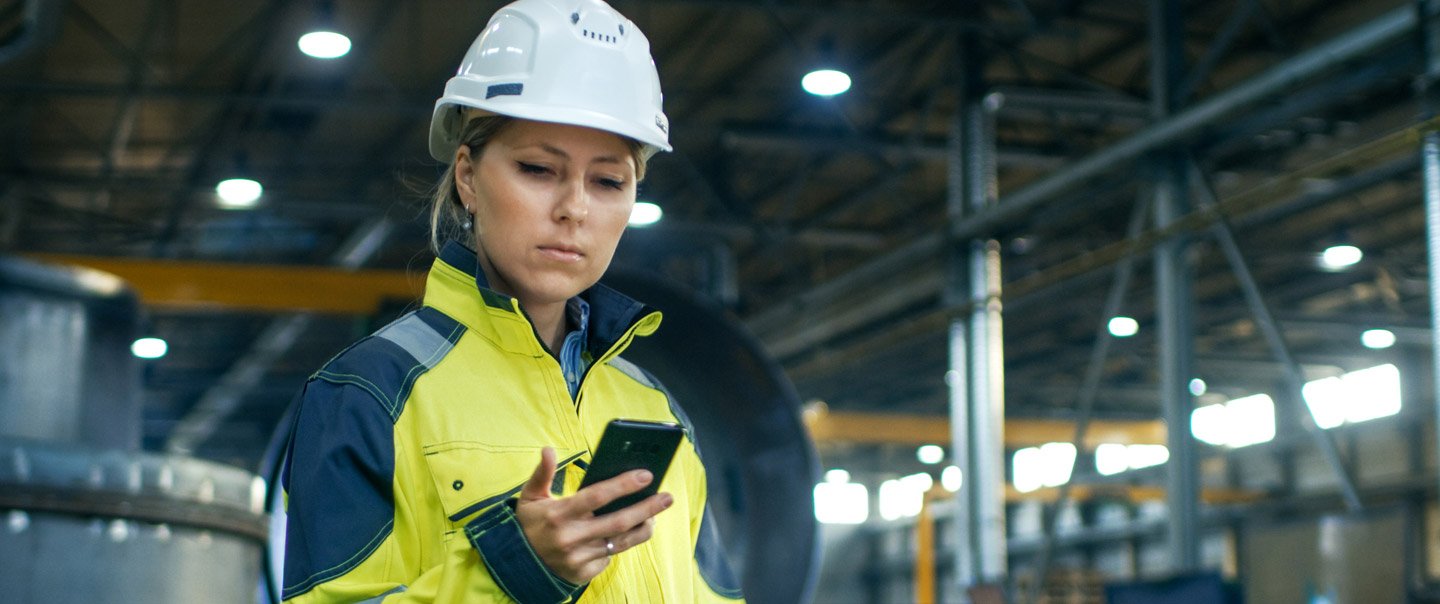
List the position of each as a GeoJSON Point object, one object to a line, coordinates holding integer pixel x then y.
{"type": "Point", "coordinates": [561, 253]}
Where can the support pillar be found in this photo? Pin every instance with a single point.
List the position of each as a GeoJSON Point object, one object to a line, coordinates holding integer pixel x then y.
{"type": "Point", "coordinates": [976, 368]}
{"type": "Point", "coordinates": [1173, 298]}
{"type": "Point", "coordinates": [1430, 170]}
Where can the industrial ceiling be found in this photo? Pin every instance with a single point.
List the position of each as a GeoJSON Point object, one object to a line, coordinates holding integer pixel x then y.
{"type": "Point", "coordinates": [819, 222]}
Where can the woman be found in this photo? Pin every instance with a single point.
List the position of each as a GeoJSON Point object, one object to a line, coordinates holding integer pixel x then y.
{"type": "Point", "coordinates": [412, 473]}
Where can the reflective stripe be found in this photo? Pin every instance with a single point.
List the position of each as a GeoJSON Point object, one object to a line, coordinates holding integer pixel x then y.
{"type": "Point", "coordinates": [416, 337]}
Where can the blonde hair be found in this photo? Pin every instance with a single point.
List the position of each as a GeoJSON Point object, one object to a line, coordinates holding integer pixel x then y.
{"type": "Point", "coordinates": [447, 212]}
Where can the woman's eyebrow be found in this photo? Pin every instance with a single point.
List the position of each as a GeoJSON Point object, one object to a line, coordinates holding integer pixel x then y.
{"type": "Point", "coordinates": [553, 150]}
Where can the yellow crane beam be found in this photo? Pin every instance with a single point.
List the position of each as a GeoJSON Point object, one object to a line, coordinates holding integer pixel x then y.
{"type": "Point", "coordinates": [190, 285]}
{"type": "Point", "coordinates": [889, 428]}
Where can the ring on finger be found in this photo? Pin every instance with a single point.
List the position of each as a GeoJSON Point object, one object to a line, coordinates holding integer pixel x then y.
{"type": "Point", "coordinates": [609, 547]}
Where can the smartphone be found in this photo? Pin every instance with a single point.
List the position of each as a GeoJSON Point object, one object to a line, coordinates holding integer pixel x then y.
{"type": "Point", "coordinates": [627, 445]}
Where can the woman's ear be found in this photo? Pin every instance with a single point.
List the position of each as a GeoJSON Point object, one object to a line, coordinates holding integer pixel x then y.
{"type": "Point", "coordinates": [464, 176]}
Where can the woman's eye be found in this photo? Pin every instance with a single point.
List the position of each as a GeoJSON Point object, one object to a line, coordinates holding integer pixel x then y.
{"type": "Point", "coordinates": [618, 185]}
{"type": "Point", "coordinates": [532, 168]}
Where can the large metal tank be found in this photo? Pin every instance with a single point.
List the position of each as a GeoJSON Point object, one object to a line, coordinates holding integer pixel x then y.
{"type": "Point", "coordinates": [86, 516]}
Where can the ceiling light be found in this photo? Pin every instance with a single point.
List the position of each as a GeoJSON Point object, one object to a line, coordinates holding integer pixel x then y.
{"type": "Point", "coordinates": [238, 193]}
{"type": "Point", "coordinates": [1378, 338]}
{"type": "Point", "coordinates": [1198, 387]}
{"type": "Point", "coordinates": [951, 478]}
{"type": "Point", "coordinates": [645, 214]}
{"type": "Point", "coordinates": [1123, 327]}
{"type": "Point", "coordinates": [930, 454]}
{"type": "Point", "coordinates": [149, 348]}
{"type": "Point", "coordinates": [1340, 256]}
{"type": "Point", "coordinates": [324, 44]}
{"type": "Point", "coordinates": [825, 82]}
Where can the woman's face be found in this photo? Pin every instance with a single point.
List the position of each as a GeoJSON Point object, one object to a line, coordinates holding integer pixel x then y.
{"type": "Point", "coordinates": [550, 203]}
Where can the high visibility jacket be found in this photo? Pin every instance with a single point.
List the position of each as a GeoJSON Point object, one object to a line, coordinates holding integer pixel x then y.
{"type": "Point", "coordinates": [409, 447]}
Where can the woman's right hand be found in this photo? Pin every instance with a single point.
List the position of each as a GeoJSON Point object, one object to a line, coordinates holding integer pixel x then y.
{"type": "Point", "coordinates": [566, 533]}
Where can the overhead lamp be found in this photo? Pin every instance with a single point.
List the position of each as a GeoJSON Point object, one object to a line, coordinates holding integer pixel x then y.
{"type": "Point", "coordinates": [930, 454]}
{"type": "Point", "coordinates": [149, 348]}
{"type": "Point", "coordinates": [323, 42]}
{"type": "Point", "coordinates": [1337, 257]}
{"type": "Point", "coordinates": [1198, 387]}
{"type": "Point", "coordinates": [1123, 327]}
{"type": "Point", "coordinates": [238, 193]}
{"type": "Point", "coordinates": [1378, 339]}
{"type": "Point", "coordinates": [645, 214]}
{"type": "Point", "coordinates": [825, 82]}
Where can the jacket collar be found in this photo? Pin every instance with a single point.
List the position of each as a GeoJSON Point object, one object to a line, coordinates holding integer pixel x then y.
{"type": "Point", "coordinates": [457, 286]}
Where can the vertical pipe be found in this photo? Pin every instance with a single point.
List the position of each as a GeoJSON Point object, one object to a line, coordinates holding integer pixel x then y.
{"type": "Point", "coordinates": [976, 376]}
{"type": "Point", "coordinates": [1173, 298]}
{"type": "Point", "coordinates": [987, 343]}
{"type": "Point", "coordinates": [1430, 168]}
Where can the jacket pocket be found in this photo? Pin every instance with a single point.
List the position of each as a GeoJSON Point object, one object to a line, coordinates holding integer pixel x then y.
{"type": "Point", "coordinates": [470, 477]}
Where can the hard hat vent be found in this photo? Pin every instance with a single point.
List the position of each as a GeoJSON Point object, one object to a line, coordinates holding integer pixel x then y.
{"type": "Point", "coordinates": [600, 26]}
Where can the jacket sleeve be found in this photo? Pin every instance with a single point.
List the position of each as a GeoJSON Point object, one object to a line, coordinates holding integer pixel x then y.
{"type": "Point", "coordinates": [715, 582]}
{"type": "Point", "coordinates": [349, 537]}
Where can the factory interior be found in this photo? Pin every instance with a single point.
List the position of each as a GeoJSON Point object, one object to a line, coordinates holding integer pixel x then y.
{"type": "Point", "coordinates": [1005, 301]}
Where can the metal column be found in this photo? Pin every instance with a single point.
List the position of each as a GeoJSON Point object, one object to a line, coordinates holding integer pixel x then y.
{"type": "Point", "coordinates": [1430, 168]}
{"type": "Point", "coordinates": [976, 376]}
{"type": "Point", "coordinates": [1173, 300]}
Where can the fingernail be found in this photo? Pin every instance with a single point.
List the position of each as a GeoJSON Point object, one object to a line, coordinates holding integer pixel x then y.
{"type": "Point", "coordinates": [644, 477]}
{"type": "Point", "coordinates": [666, 500]}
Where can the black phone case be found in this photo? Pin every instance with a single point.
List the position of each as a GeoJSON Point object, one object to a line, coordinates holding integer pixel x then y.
{"type": "Point", "coordinates": [632, 445]}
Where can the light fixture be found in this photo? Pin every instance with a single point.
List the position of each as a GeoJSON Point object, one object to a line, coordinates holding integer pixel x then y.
{"type": "Point", "coordinates": [837, 475]}
{"type": "Point", "coordinates": [645, 214]}
{"type": "Point", "coordinates": [930, 454]}
{"type": "Point", "coordinates": [1378, 338]}
{"type": "Point", "coordinates": [952, 478]}
{"type": "Point", "coordinates": [324, 44]}
{"type": "Point", "coordinates": [1198, 387]}
{"type": "Point", "coordinates": [238, 193]}
{"type": "Point", "coordinates": [1341, 256]}
{"type": "Point", "coordinates": [323, 41]}
{"type": "Point", "coordinates": [825, 82]}
{"type": "Point", "coordinates": [1123, 327]}
{"type": "Point", "coordinates": [149, 348]}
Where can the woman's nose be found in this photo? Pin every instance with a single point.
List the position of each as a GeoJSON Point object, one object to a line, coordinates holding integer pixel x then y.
{"type": "Point", "coordinates": [574, 203]}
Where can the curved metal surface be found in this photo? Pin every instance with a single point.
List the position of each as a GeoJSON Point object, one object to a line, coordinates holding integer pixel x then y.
{"type": "Point", "coordinates": [66, 372]}
{"type": "Point", "coordinates": [89, 525]}
{"type": "Point", "coordinates": [759, 460]}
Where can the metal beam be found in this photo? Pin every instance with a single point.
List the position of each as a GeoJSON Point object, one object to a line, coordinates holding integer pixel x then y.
{"type": "Point", "coordinates": [1174, 305]}
{"type": "Point", "coordinates": [1281, 79]}
{"type": "Point", "coordinates": [895, 150]}
{"type": "Point", "coordinates": [841, 427]}
{"type": "Point", "coordinates": [1430, 169]}
{"type": "Point", "coordinates": [171, 285]}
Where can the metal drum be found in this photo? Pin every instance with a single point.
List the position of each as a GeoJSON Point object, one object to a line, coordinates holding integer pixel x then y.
{"type": "Point", "coordinates": [84, 516]}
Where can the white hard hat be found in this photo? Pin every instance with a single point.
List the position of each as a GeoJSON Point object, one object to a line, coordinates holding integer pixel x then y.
{"type": "Point", "coordinates": [573, 62]}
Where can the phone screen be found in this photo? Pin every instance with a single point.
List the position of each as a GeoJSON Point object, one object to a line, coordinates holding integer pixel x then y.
{"type": "Point", "coordinates": [633, 445]}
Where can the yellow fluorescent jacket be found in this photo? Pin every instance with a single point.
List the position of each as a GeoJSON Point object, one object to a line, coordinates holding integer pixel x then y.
{"type": "Point", "coordinates": [409, 446]}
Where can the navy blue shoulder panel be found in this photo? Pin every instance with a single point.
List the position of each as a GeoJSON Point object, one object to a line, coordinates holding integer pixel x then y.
{"type": "Point", "coordinates": [341, 459]}
{"type": "Point", "coordinates": [387, 363]}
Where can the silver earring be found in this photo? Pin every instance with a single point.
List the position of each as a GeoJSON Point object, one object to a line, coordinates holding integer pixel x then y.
{"type": "Point", "coordinates": [469, 222]}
